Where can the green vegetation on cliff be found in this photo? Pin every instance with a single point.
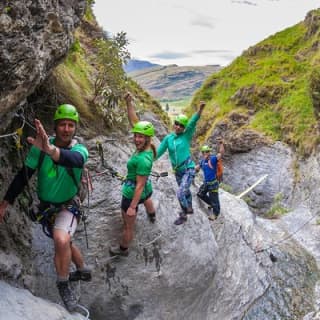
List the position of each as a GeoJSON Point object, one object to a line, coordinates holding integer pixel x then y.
{"type": "Point", "coordinates": [275, 84]}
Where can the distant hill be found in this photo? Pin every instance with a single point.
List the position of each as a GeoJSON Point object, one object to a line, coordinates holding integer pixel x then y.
{"type": "Point", "coordinates": [172, 82]}
{"type": "Point", "coordinates": [134, 65]}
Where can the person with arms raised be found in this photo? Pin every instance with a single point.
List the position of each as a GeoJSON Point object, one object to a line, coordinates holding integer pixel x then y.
{"type": "Point", "coordinates": [137, 187]}
{"type": "Point", "coordinates": [178, 145]}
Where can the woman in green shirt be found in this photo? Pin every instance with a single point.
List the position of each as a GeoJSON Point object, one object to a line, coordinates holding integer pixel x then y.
{"type": "Point", "coordinates": [137, 188]}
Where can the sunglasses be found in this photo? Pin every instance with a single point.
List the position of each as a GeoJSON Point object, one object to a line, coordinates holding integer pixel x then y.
{"type": "Point", "coordinates": [176, 123]}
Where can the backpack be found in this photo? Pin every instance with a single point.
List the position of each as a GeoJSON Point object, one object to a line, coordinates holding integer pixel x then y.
{"type": "Point", "coordinates": [219, 173]}
{"type": "Point", "coordinates": [85, 184]}
{"type": "Point", "coordinates": [219, 169]}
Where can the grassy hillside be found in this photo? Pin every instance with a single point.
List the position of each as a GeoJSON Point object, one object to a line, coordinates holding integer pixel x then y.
{"type": "Point", "coordinates": [275, 85]}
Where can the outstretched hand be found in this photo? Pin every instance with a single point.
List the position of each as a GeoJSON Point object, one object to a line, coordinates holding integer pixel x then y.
{"type": "Point", "coordinates": [132, 116]}
{"type": "Point", "coordinates": [41, 140]}
{"type": "Point", "coordinates": [128, 97]}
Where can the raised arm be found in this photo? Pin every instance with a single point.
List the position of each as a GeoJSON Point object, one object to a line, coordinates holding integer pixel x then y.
{"type": "Point", "coordinates": [202, 104]}
{"type": "Point", "coordinates": [132, 116]}
{"type": "Point", "coordinates": [220, 148]}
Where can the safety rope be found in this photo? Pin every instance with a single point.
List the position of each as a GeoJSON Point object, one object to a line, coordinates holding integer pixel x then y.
{"type": "Point", "coordinates": [86, 212]}
{"type": "Point", "coordinates": [146, 244]}
{"type": "Point", "coordinates": [116, 174]}
{"type": "Point", "coordinates": [100, 151]}
{"type": "Point", "coordinates": [287, 237]}
{"type": "Point", "coordinates": [87, 316]}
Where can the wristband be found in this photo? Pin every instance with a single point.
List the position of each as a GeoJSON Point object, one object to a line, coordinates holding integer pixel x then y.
{"type": "Point", "coordinates": [53, 151]}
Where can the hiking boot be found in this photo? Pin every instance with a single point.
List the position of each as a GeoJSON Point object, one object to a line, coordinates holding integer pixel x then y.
{"type": "Point", "coordinates": [182, 219]}
{"type": "Point", "coordinates": [151, 217]}
{"type": "Point", "coordinates": [117, 251]}
{"type": "Point", "coordinates": [84, 275]}
{"type": "Point", "coordinates": [67, 295]}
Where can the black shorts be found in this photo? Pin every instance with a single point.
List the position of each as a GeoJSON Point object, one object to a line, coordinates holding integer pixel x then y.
{"type": "Point", "coordinates": [125, 202]}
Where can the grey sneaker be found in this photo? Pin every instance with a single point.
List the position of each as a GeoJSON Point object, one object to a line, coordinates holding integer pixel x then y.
{"type": "Point", "coordinates": [212, 217]}
{"type": "Point", "coordinates": [67, 295]}
{"type": "Point", "coordinates": [182, 219]}
{"type": "Point", "coordinates": [116, 251]}
{"type": "Point", "coordinates": [84, 275]}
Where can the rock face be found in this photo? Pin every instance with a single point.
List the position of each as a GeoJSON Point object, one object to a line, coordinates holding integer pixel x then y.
{"type": "Point", "coordinates": [201, 270]}
{"type": "Point", "coordinates": [34, 37]}
{"type": "Point", "coordinates": [244, 169]}
{"type": "Point", "coordinates": [18, 304]}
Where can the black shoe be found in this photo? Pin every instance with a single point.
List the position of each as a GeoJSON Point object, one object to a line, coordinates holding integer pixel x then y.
{"type": "Point", "coordinates": [182, 219]}
{"type": "Point", "coordinates": [84, 275]}
{"type": "Point", "coordinates": [67, 295]}
{"type": "Point", "coordinates": [117, 251]}
{"type": "Point", "coordinates": [151, 217]}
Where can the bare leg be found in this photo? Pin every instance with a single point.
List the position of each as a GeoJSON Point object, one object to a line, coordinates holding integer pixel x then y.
{"type": "Point", "coordinates": [149, 206]}
{"type": "Point", "coordinates": [128, 229]}
{"type": "Point", "coordinates": [76, 256]}
{"type": "Point", "coordinates": [62, 257]}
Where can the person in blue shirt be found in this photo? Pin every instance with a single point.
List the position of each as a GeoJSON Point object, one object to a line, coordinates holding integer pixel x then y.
{"type": "Point", "coordinates": [209, 190]}
{"type": "Point", "coordinates": [178, 145]}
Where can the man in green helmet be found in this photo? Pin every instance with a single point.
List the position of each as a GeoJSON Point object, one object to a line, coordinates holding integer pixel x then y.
{"type": "Point", "coordinates": [57, 191]}
{"type": "Point", "coordinates": [178, 144]}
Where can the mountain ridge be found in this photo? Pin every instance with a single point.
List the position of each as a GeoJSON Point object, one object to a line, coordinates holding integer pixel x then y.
{"type": "Point", "coordinates": [172, 82]}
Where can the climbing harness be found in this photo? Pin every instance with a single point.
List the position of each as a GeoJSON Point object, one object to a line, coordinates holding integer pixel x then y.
{"type": "Point", "coordinates": [183, 165]}
{"type": "Point", "coordinates": [46, 218]}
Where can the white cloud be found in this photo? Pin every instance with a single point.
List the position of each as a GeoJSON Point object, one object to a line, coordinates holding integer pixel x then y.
{"type": "Point", "coordinates": [188, 32]}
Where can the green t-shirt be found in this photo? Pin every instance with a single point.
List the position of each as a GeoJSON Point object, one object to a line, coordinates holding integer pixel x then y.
{"type": "Point", "coordinates": [140, 164]}
{"type": "Point", "coordinates": [179, 145]}
{"type": "Point", "coordinates": [55, 185]}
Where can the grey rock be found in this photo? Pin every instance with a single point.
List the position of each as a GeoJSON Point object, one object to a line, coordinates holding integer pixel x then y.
{"type": "Point", "coordinates": [34, 37]}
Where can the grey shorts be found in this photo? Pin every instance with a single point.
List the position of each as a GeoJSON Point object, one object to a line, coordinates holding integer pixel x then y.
{"type": "Point", "coordinates": [65, 220]}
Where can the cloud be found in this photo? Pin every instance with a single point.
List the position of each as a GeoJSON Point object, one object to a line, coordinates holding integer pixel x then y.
{"type": "Point", "coordinates": [208, 51]}
{"type": "Point", "coordinates": [202, 21]}
{"type": "Point", "coordinates": [168, 55]}
{"type": "Point", "coordinates": [245, 2]}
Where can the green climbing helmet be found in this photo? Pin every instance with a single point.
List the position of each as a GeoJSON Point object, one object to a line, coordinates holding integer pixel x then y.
{"type": "Point", "coordinates": [205, 148]}
{"type": "Point", "coordinates": [182, 119]}
{"type": "Point", "coordinates": [144, 127]}
{"type": "Point", "coordinates": [66, 111]}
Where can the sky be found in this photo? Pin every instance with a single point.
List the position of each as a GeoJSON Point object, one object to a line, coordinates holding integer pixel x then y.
{"type": "Point", "coordinates": [197, 32]}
